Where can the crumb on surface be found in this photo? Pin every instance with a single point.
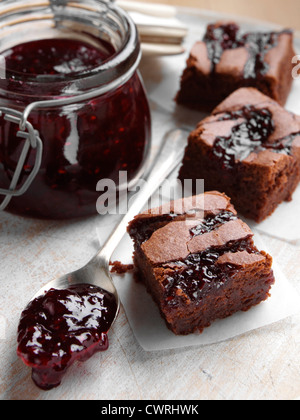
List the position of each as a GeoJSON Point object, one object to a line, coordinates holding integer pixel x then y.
{"type": "Point", "coordinates": [119, 268]}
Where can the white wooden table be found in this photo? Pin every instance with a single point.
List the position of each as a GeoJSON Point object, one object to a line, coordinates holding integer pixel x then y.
{"type": "Point", "coordinates": [263, 364]}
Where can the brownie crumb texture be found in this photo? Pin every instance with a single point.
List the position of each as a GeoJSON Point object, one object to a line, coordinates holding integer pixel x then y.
{"type": "Point", "coordinates": [118, 268]}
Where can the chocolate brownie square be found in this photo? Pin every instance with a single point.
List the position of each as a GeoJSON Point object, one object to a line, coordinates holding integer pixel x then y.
{"type": "Point", "coordinates": [228, 59]}
{"type": "Point", "coordinates": [199, 262]}
{"type": "Point", "coordinates": [249, 148]}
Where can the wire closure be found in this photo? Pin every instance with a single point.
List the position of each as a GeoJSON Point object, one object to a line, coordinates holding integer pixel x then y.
{"type": "Point", "coordinates": [34, 142]}
{"type": "Point", "coordinates": [32, 136]}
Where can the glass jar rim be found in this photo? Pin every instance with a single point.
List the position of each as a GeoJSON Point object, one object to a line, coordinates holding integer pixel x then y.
{"type": "Point", "coordinates": [114, 71]}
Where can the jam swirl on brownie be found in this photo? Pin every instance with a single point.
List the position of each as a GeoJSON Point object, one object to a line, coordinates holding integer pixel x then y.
{"type": "Point", "coordinates": [219, 38]}
{"type": "Point", "coordinates": [250, 136]}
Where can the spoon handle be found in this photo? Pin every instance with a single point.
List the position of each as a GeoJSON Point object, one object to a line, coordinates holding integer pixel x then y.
{"type": "Point", "coordinates": [168, 158]}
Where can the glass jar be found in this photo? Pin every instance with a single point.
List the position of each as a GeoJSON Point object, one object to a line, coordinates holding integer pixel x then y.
{"type": "Point", "coordinates": [89, 115]}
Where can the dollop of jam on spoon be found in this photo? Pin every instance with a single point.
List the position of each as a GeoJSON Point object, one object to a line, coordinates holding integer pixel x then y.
{"type": "Point", "coordinates": [64, 326]}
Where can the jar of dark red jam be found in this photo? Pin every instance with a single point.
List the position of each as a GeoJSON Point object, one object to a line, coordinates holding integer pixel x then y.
{"type": "Point", "coordinates": [71, 82]}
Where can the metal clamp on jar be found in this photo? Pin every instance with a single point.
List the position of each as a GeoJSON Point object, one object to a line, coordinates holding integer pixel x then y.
{"type": "Point", "coordinates": [73, 109]}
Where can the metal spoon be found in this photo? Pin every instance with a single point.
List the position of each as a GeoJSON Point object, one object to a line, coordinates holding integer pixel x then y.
{"type": "Point", "coordinates": [97, 272]}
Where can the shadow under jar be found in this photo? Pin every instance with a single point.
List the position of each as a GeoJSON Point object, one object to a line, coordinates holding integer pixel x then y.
{"type": "Point", "coordinates": [71, 72]}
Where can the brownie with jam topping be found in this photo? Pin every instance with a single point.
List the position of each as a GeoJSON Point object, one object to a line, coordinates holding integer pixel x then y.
{"type": "Point", "coordinates": [248, 148]}
{"type": "Point", "coordinates": [199, 262]}
{"type": "Point", "coordinates": [228, 59]}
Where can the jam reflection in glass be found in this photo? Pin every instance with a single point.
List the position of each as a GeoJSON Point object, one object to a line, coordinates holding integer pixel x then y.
{"type": "Point", "coordinates": [61, 327]}
{"type": "Point", "coordinates": [83, 142]}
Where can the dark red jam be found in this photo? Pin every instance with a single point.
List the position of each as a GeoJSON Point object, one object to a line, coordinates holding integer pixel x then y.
{"type": "Point", "coordinates": [199, 273]}
{"type": "Point", "coordinates": [142, 231]}
{"type": "Point", "coordinates": [64, 326]}
{"type": "Point", "coordinates": [250, 136]}
{"type": "Point", "coordinates": [258, 44]}
{"type": "Point", "coordinates": [229, 36]}
{"type": "Point", "coordinates": [212, 222]}
{"type": "Point", "coordinates": [56, 57]}
{"type": "Point", "coordinates": [83, 142]}
{"type": "Point", "coordinates": [221, 38]}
